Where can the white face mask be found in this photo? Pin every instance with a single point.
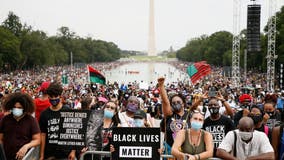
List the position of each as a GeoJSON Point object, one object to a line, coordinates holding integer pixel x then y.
{"type": "Point", "coordinates": [17, 112]}
{"type": "Point", "coordinates": [245, 136]}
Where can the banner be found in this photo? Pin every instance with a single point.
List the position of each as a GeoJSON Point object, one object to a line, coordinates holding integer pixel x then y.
{"type": "Point", "coordinates": [136, 143]}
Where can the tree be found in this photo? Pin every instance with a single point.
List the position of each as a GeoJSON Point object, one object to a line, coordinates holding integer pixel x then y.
{"type": "Point", "coordinates": [218, 44]}
{"type": "Point", "coordinates": [9, 49]}
{"type": "Point", "coordinates": [34, 49]}
{"type": "Point", "coordinates": [57, 54]}
{"type": "Point", "coordinates": [21, 47]}
{"type": "Point", "coordinates": [13, 24]}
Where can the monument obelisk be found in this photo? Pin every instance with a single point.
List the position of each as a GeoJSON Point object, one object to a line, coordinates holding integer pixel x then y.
{"type": "Point", "coordinates": [151, 40]}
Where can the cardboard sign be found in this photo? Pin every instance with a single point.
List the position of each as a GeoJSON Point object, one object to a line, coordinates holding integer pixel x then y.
{"type": "Point", "coordinates": [136, 143]}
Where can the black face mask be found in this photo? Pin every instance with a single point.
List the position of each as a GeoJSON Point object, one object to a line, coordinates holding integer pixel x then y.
{"type": "Point", "coordinates": [176, 107]}
{"type": "Point", "coordinates": [256, 118]}
{"type": "Point", "coordinates": [214, 110]}
{"type": "Point", "coordinates": [54, 102]}
{"type": "Point", "coordinates": [271, 114]}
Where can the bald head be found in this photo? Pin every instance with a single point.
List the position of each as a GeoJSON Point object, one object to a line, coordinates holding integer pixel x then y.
{"type": "Point", "coordinates": [246, 124]}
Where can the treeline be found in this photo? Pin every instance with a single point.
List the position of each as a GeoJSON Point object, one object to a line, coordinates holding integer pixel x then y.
{"type": "Point", "coordinates": [216, 49]}
{"type": "Point", "coordinates": [21, 47]}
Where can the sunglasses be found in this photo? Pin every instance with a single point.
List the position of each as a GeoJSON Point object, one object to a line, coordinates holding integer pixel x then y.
{"type": "Point", "coordinates": [197, 111]}
{"type": "Point", "coordinates": [111, 107]}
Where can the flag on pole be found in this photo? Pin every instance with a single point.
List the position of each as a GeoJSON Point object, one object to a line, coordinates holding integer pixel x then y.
{"type": "Point", "coordinates": [95, 76]}
{"type": "Point", "coordinates": [198, 70]}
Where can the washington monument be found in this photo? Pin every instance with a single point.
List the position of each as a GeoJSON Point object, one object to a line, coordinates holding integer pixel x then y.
{"type": "Point", "coordinates": [151, 40]}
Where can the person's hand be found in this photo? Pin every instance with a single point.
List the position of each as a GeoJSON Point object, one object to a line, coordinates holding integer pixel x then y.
{"type": "Point", "coordinates": [189, 157]}
{"type": "Point", "coordinates": [22, 152]}
{"type": "Point", "coordinates": [265, 117]}
{"type": "Point", "coordinates": [204, 96]}
{"type": "Point", "coordinates": [111, 148]}
{"type": "Point", "coordinates": [246, 112]}
{"type": "Point", "coordinates": [84, 149]}
{"type": "Point", "coordinates": [220, 97]}
{"type": "Point", "coordinates": [72, 155]}
{"type": "Point", "coordinates": [161, 150]}
{"type": "Point", "coordinates": [161, 81]}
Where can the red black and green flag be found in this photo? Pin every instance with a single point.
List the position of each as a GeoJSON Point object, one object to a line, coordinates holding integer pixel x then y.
{"type": "Point", "coordinates": [96, 76]}
{"type": "Point", "coordinates": [198, 70]}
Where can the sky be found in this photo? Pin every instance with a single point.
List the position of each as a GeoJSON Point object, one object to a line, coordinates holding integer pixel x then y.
{"type": "Point", "coordinates": [125, 22]}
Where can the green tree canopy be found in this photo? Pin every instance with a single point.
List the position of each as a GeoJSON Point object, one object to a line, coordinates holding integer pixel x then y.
{"type": "Point", "coordinates": [22, 47]}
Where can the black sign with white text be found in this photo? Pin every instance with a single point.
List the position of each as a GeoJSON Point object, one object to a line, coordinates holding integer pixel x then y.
{"type": "Point", "coordinates": [72, 128]}
{"type": "Point", "coordinates": [136, 143]}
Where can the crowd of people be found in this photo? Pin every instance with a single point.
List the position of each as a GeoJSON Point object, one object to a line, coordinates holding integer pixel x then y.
{"type": "Point", "coordinates": [201, 121]}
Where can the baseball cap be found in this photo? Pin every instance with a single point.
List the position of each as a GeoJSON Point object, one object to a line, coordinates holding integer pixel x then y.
{"type": "Point", "coordinates": [245, 97]}
{"type": "Point", "coordinates": [44, 86]}
{"type": "Point", "coordinates": [139, 114]}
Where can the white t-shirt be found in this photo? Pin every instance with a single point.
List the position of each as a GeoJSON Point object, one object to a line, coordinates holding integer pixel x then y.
{"type": "Point", "coordinates": [125, 121]}
{"type": "Point", "coordinates": [258, 145]}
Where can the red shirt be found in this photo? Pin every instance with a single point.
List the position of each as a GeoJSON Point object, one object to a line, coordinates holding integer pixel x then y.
{"type": "Point", "coordinates": [40, 106]}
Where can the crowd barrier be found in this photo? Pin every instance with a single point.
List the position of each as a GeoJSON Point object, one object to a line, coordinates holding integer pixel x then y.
{"type": "Point", "coordinates": [33, 154]}
{"type": "Point", "coordinates": [108, 154]}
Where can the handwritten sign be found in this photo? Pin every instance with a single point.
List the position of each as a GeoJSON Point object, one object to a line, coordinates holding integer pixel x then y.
{"type": "Point", "coordinates": [132, 143]}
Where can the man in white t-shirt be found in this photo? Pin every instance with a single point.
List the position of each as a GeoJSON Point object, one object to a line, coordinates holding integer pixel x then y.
{"type": "Point", "coordinates": [250, 144]}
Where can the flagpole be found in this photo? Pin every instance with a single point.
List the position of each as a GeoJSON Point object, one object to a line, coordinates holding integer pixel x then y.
{"type": "Point", "coordinates": [88, 75]}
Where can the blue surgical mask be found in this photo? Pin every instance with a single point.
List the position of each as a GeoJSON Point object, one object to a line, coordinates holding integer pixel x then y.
{"type": "Point", "coordinates": [17, 112]}
{"type": "Point", "coordinates": [139, 122]}
{"type": "Point", "coordinates": [54, 102]}
{"type": "Point", "coordinates": [196, 125]}
{"type": "Point", "coordinates": [108, 114]}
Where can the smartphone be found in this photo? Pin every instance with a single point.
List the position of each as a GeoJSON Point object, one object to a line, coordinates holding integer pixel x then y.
{"type": "Point", "coordinates": [212, 92]}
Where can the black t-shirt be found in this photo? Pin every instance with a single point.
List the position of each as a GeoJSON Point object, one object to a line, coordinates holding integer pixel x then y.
{"type": "Point", "coordinates": [49, 124]}
{"type": "Point", "coordinates": [174, 123]}
{"type": "Point", "coordinates": [237, 117]}
{"type": "Point", "coordinates": [218, 128]}
{"type": "Point", "coordinates": [274, 120]}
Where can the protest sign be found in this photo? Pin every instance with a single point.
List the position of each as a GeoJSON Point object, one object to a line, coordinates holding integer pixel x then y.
{"type": "Point", "coordinates": [136, 143]}
{"type": "Point", "coordinates": [72, 128]}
